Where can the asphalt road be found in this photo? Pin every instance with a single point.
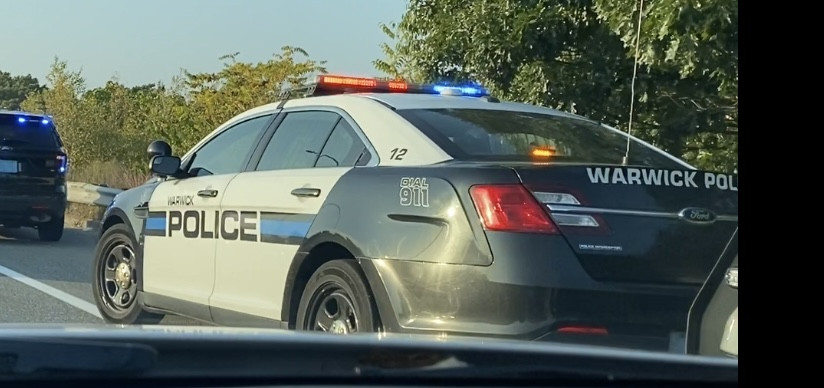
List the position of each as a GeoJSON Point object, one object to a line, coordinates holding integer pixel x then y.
{"type": "Point", "coordinates": [49, 282]}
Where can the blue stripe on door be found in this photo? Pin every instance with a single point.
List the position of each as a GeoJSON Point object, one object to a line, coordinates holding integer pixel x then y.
{"type": "Point", "coordinates": [156, 223]}
{"type": "Point", "coordinates": [284, 228]}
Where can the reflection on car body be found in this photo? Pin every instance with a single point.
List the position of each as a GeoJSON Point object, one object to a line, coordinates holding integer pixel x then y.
{"type": "Point", "coordinates": [373, 205]}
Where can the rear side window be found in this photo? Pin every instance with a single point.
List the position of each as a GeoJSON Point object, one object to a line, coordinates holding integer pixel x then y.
{"type": "Point", "coordinates": [479, 134]}
{"type": "Point", "coordinates": [342, 149]}
{"type": "Point", "coordinates": [28, 132]}
{"type": "Point", "coordinates": [298, 140]}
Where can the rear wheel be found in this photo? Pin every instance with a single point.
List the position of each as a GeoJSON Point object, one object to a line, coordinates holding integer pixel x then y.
{"type": "Point", "coordinates": [337, 300]}
{"type": "Point", "coordinates": [114, 279]}
{"type": "Point", "coordinates": [52, 230]}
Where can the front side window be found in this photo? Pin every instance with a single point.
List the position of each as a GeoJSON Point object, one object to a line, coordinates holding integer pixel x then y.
{"type": "Point", "coordinates": [228, 152]}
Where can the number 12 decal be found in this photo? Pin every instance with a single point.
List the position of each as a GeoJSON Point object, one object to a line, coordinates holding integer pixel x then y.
{"type": "Point", "coordinates": [398, 153]}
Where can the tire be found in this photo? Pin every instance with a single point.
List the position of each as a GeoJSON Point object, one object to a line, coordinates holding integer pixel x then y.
{"type": "Point", "coordinates": [52, 230]}
{"type": "Point", "coordinates": [337, 283]}
{"type": "Point", "coordinates": [114, 257]}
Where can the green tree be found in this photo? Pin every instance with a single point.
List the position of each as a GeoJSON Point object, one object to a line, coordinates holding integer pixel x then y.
{"type": "Point", "coordinates": [62, 99]}
{"type": "Point", "coordinates": [114, 123]}
{"type": "Point", "coordinates": [699, 41]}
{"type": "Point", "coordinates": [567, 55]}
{"type": "Point", "coordinates": [398, 61]}
{"type": "Point", "coordinates": [216, 97]}
{"type": "Point", "coordinates": [14, 89]}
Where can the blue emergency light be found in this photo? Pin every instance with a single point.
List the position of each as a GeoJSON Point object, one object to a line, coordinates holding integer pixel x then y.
{"type": "Point", "coordinates": [23, 120]}
{"type": "Point", "coordinates": [472, 91]}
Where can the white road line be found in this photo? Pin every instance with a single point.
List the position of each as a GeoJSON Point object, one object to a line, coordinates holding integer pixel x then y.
{"type": "Point", "coordinates": [51, 291]}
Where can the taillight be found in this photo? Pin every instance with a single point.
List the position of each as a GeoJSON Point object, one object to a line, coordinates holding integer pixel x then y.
{"type": "Point", "coordinates": [62, 163]}
{"type": "Point", "coordinates": [510, 208]}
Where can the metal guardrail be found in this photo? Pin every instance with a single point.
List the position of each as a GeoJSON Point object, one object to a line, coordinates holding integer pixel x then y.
{"type": "Point", "coordinates": [89, 194]}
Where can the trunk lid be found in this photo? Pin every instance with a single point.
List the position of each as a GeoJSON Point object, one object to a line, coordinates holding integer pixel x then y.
{"type": "Point", "coordinates": [639, 224]}
{"type": "Point", "coordinates": [30, 170]}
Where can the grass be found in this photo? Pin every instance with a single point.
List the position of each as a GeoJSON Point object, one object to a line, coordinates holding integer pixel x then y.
{"type": "Point", "coordinates": [111, 174]}
{"type": "Point", "coordinates": [77, 214]}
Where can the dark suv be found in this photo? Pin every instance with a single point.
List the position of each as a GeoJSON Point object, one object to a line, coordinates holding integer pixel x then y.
{"type": "Point", "coordinates": [33, 166]}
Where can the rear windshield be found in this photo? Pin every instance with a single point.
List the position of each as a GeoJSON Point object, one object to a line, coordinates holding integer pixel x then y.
{"type": "Point", "coordinates": [31, 133]}
{"type": "Point", "coordinates": [502, 135]}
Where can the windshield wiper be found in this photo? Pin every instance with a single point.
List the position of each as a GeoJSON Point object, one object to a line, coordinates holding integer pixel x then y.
{"type": "Point", "coordinates": [26, 358]}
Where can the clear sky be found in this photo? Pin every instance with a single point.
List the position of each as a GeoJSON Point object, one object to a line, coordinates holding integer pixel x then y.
{"type": "Point", "coordinates": [143, 41]}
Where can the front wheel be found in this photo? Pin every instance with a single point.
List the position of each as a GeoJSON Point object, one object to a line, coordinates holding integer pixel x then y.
{"type": "Point", "coordinates": [337, 300]}
{"type": "Point", "coordinates": [114, 279]}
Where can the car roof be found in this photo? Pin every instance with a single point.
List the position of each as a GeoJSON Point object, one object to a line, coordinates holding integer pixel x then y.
{"type": "Point", "coordinates": [20, 112]}
{"type": "Point", "coordinates": [433, 101]}
{"type": "Point", "coordinates": [403, 101]}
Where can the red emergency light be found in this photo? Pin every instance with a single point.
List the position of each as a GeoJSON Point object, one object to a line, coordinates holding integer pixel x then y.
{"type": "Point", "coordinates": [347, 81]}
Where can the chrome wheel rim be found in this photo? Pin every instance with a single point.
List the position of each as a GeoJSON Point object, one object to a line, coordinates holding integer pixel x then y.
{"type": "Point", "coordinates": [118, 280]}
{"type": "Point", "coordinates": [333, 311]}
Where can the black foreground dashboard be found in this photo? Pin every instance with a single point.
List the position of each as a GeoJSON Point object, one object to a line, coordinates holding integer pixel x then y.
{"type": "Point", "coordinates": [216, 357]}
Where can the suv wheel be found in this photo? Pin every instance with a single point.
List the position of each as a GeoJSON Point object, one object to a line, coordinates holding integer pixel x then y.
{"type": "Point", "coordinates": [52, 230]}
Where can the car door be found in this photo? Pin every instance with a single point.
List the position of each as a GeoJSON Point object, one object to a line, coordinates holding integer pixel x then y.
{"type": "Point", "coordinates": [307, 154]}
{"type": "Point", "coordinates": [182, 225]}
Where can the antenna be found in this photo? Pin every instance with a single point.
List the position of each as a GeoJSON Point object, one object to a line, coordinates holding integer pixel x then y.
{"type": "Point", "coordinates": [632, 87]}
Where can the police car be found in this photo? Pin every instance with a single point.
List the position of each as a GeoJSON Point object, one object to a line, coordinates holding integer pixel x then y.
{"type": "Point", "coordinates": [362, 205]}
{"type": "Point", "coordinates": [33, 167]}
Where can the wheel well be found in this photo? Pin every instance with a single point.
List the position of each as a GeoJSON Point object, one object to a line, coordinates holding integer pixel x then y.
{"type": "Point", "coordinates": [319, 255]}
{"type": "Point", "coordinates": [111, 221]}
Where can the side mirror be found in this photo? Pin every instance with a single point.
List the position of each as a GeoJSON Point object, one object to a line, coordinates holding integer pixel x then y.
{"type": "Point", "coordinates": [165, 165]}
{"type": "Point", "coordinates": [158, 148]}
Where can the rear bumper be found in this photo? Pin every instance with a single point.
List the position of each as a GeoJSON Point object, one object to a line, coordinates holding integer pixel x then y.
{"type": "Point", "coordinates": [529, 292]}
{"type": "Point", "coordinates": [28, 210]}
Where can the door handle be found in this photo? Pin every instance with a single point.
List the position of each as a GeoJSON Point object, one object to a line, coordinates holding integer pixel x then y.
{"type": "Point", "coordinates": [306, 192]}
{"type": "Point", "coordinates": [207, 193]}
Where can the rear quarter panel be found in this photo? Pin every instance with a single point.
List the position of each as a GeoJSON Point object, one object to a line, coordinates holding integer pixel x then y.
{"type": "Point", "coordinates": [421, 214]}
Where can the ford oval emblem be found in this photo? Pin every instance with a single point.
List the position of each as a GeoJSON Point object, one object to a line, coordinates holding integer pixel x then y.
{"type": "Point", "coordinates": [697, 215]}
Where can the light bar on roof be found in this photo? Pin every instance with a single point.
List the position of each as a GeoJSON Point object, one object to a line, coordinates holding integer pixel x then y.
{"type": "Point", "coordinates": [30, 119]}
{"type": "Point", "coordinates": [348, 81]}
{"type": "Point", "coordinates": [336, 84]}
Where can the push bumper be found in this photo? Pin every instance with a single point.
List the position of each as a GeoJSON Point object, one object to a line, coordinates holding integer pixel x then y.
{"type": "Point", "coordinates": [530, 294]}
